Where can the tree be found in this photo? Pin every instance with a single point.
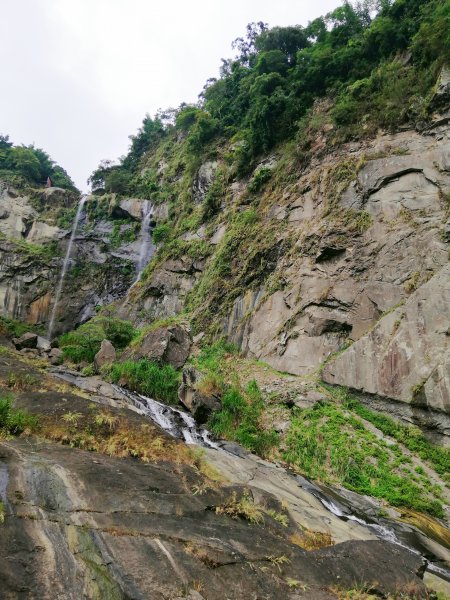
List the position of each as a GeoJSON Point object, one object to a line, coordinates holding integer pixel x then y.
{"type": "Point", "coordinates": [288, 40]}
{"type": "Point", "coordinates": [25, 162]}
{"type": "Point", "coordinates": [247, 45]}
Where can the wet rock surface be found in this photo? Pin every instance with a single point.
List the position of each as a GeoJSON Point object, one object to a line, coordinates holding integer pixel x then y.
{"type": "Point", "coordinates": [92, 526]}
{"type": "Point", "coordinates": [85, 525]}
{"type": "Point", "coordinates": [199, 404]}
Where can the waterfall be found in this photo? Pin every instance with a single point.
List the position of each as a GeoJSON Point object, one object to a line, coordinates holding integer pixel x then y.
{"type": "Point", "coordinates": [147, 246]}
{"type": "Point", "coordinates": [65, 265]}
{"type": "Point", "coordinates": [176, 422]}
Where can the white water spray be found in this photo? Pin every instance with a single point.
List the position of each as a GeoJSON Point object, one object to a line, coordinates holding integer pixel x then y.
{"type": "Point", "coordinates": [147, 246]}
{"type": "Point", "coordinates": [65, 265]}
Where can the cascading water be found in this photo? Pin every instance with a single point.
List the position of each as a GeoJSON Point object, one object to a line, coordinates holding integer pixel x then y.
{"type": "Point", "coordinates": [181, 425]}
{"type": "Point", "coordinates": [147, 246]}
{"type": "Point", "coordinates": [177, 423]}
{"type": "Point", "coordinates": [65, 265]}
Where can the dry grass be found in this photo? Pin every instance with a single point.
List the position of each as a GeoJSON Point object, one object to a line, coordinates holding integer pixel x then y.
{"type": "Point", "coordinates": [110, 434]}
{"type": "Point", "coordinates": [201, 554]}
{"type": "Point", "coordinates": [241, 508]}
{"type": "Point", "coordinates": [364, 592]}
{"type": "Point", "coordinates": [311, 540]}
{"type": "Point", "coordinates": [20, 381]}
{"type": "Point", "coordinates": [210, 385]}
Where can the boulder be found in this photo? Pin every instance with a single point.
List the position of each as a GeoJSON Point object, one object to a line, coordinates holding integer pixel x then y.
{"type": "Point", "coordinates": [203, 180]}
{"type": "Point", "coordinates": [42, 232]}
{"type": "Point", "coordinates": [30, 352]}
{"type": "Point", "coordinates": [130, 207]}
{"type": "Point", "coordinates": [57, 197]}
{"type": "Point", "coordinates": [43, 344]}
{"type": "Point", "coordinates": [27, 340]}
{"type": "Point", "coordinates": [55, 356]}
{"type": "Point", "coordinates": [105, 356]}
{"type": "Point", "coordinates": [200, 405]}
{"type": "Point", "coordinates": [169, 345]}
{"type": "Point", "coordinates": [441, 97]}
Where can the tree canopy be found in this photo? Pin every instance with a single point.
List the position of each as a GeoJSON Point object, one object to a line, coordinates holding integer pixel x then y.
{"type": "Point", "coordinates": [30, 165]}
{"type": "Point", "coordinates": [376, 59]}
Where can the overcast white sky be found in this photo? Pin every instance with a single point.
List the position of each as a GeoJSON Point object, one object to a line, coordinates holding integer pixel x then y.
{"type": "Point", "coordinates": [78, 76]}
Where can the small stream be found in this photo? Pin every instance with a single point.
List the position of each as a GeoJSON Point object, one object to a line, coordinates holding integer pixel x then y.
{"type": "Point", "coordinates": [346, 505]}
{"type": "Point", "coordinates": [174, 421]}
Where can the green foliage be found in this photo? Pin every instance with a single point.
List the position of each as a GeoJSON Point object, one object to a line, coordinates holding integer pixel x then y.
{"type": "Point", "coordinates": [411, 437]}
{"type": "Point", "coordinates": [213, 358]}
{"type": "Point", "coordinates": [264, 94]}
{"type": "Point", "coordinates": [148, 378]}
{"type": "Point", "coordinates": [202, 131]}
{"type": "Point", "coordinates": [45, 251]}
{"type": "Point", "coordinates": [22, 165]}
{"type": "Point", "coordinates": [239, 420]}
{"type": "Point", "coordinates": [82, 344]}
{"type": "Point", "coordinates": [14, 328]}
{"type": "Point", "coordinates": [259, 179]}
{"type": "Point", "coordinates": [328, 442]}
{"type": "Point", "coordinates": [124, 231]}
{"type": "Point", "coordinates": [12, 421]}
{"type": "Point", "coordinates": [214, 197]}
{"type": "Point", "coordinates": [65, 217]}
{"type": "Point", "coordinates": [161, 233]}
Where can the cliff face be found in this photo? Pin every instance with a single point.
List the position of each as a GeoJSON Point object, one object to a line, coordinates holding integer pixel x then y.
{"type": "Point", "coordinates": [347, 256]}
{"type": "Point", "coordinates": [35, 231]}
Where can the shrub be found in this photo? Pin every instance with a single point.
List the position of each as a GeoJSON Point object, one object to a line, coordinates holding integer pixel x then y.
{"type": "Point", "coordinates": [241, 508]}
{"type": "Point", "coordinates": [239, 420]}
{"type": "Point", "coordinates": [82, 344]}
{"type": "Point", "coordinates": [260, 177]}
{"type": "Point", "coordinates": [148, 378]}
{"type": "Point", "coordinates": [161, 233]}
{"type": "Point", "coordinates": [13, 421]}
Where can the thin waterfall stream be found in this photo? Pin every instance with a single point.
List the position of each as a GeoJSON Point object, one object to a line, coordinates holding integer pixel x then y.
{"type": "Point", "coordinates": [147, 246]}
{"type": "Point", "coordinates": [65, 266]}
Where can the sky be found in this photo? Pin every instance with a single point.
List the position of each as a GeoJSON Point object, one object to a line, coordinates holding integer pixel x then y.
{"type": "Point", "coordinates": [78, 76]}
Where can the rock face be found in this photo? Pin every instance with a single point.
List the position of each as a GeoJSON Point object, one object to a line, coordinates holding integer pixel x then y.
{"type": "Point", "coordinates": [203, 180]}
{"type": "Point", "coordinates": [105, 356]}
{"type": "Point", "coordinates": [199, 404]}
{"type": "Point", "coordinates": [406, 356]}
{"type": "Point", "coordinates": [170, 345]}
{"type": "Point", "coordinates": [103, 260]}
{"type": "Point", "coordinates": [71, 505]}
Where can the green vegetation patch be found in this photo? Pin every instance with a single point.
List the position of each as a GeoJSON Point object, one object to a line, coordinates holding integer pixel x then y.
{"type": "Point", "coordinates": [13, 328]}
{"type": "Point", "coordinates": [44, 252]}
{"type": "Point", "coordinates": [328, 442]}
{"type": "Point", "coordinates": [411, 437]}
{"type": "Point", "coordinates": [12, 421]}
{"type": "Point", "coordinates": [125, 231]}
{"type": "Point", "coordinates": [240, 420]}
{"type": "Point", "coordinates": [148, 378]}
{"type": "Point", "coordinates": [82, 344]}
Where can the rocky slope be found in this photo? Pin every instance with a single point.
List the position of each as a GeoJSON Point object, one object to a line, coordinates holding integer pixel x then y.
{"type": "Point", "coordinates": [348, 256]}
{"type": "Point", "coordinates": [78, 524]}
